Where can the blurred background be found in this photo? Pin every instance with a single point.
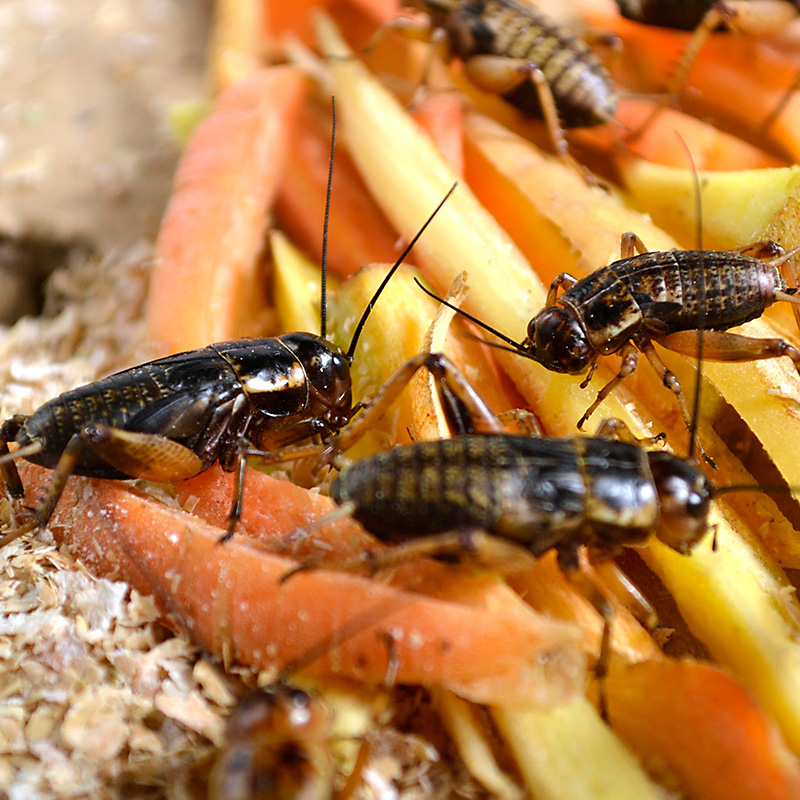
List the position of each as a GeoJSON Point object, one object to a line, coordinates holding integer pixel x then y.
{"type": "Point", "coordinates": [87, 151]}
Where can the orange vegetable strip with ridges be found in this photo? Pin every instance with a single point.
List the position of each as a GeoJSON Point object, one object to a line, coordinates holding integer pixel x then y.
{"type": "Point", "coordinates": [660, 140]}
{"type": "Point", "coordinates": [442, 116]}
{"type": "Point", "coordinates": [206, 282]}
{"type": "Point", "coordinates": [294, 17]}
{"type": "Point", "coordinates": [359, 233]}
{"type": "Point", "coordinates": [737, 78]}
{"type": "Point", "coordinates": [704, 727]}
{"type": "Point", "coordinates": [232, 603]}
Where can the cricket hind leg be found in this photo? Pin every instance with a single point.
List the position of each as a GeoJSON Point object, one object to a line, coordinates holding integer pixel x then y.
{"type": "Point", "coordinates": [137, 455]}
{"type": "Point", "coordinates": [591, 591]}
{"type": "Point", "coordinates": [417, 30]}
{"type": "Point", "coordinates": [751, 17]}
{"type": "Point", "coordinates": [725, 346]}
{"type": "Point", "coordinates": [471, 545]}
{"type": "Point", "coordinates": [670, 380]}
{"type": "Point", "coordinates": [627, 592]}
{"type": "Point", "coordinates": [501, 75]}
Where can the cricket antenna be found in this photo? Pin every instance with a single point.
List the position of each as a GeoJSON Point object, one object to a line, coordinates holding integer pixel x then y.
{"type": "Point", "coordinates": [767, 488]}
{"type": "Point", "coordinates": [363, 321]}
{"type": "Point", "coordinates": [22, 452]}
{"type": "Point", "coordinates": [323, 306]}
{"type": "Point", "coordinates": [701, 300]}
{"type": "Point", "coordinates": [514, 347]}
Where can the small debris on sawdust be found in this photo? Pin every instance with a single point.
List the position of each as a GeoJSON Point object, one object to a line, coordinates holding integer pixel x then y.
{"type": "Point", "coordinates": [98, 698]}
{"type": "Point", "coordinates": [84, 663]}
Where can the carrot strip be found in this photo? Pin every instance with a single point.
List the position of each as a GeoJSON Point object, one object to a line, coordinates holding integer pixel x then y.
{"type": "Point", "coordinates": [660, 141]}
{"type": "Point", "coordinates": [231, 602]}
{"type": "Point", "coordinates": [206, 284]}
{"type": "Point", "coordinates": [296, 18]}
{"type": "Point", "coordinates": [697, 723]}
{"type": "Point", "coordinates": [546, 588]}
{"type": "Point", "coordinates": [359, 233]}
{"type": "Point", "coordinates": [383, 9]}
{"type": "Point", "coordinates": [272, 509]}
{"type": "Point", "coordinates": [276, 514]}
{"type": "Point", "coordinates": [728, 68]}
{"type": "Point", "coordinates": [442, 116]}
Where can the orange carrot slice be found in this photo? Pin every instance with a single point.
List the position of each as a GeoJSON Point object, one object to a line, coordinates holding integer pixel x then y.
{"type": "Point", "coordinates": [272, 509]}
{"type": "Point", "coordinates": [659, 140]}
{"type": "Point", "coordinates": [547, 589]}
{"type": "Point", "coordinates": [704, 728]}
{"type": "Point", "coordinates": [295, 18]}
{"type": "Point", "coordinates": [206, 284]}
{"type": "Point", "coordinates": [359, 233]}
{"type": "Point", "coordinates": [232, 603]}
{"type": "Point", "coordinates": [383, 9]}
{"type": "Point", "coordinates": [728, 68]}
{"type": "Point", "coordinates": [441, 114]}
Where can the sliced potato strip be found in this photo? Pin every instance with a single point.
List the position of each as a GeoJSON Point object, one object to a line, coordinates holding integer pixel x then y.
{"type": "Point", "coordinates": [568, 753]}
{"type": "Point", "coordinates": [393, 334]}
{"type": "Point", "coordinates": [296, 286]}
{"type": "Point", "coordinates": [737, 207]}
{"type": "Point", "coordinates": [459, 717]}
{"type": "Point", "coordinates": [236, 41]}
{"type": "Point", "coordinates": [429, 418]}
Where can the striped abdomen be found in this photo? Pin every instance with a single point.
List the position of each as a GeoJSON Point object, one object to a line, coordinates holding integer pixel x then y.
{"type": "Point", "coordinates": [541, 493]}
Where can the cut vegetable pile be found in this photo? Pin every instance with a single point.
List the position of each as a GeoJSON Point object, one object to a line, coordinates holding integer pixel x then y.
{"type": "Point", "coordinates": [507, 662]}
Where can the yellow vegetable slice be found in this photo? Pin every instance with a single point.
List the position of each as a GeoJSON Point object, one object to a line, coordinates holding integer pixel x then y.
{"type": "Point", "coordinates": [297, 286]}
{"type": "Point", "coordinates": [568, 753]}
{"type": "Point", "coordinates": [736, 206]}
{"type": "Point", "coordinates": [394, 333]}
{"type": "Point", "coordinates": [459, 718]}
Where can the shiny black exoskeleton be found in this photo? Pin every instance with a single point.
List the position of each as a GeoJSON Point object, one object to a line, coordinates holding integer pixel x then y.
{"type": "Point", "coordinates": [268, 391]}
